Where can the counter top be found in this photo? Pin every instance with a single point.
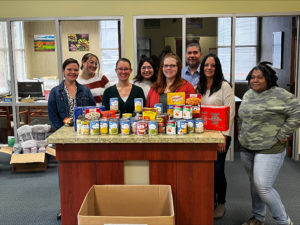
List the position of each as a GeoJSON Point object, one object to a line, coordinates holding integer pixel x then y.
{"type": "Point", "coordinates": [67, 135]}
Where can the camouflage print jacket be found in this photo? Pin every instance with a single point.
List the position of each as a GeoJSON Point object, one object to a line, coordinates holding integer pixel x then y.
{"type": "Point", "coordinates": [267, 117]}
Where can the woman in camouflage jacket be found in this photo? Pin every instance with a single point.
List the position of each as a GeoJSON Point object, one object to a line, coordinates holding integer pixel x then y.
{"type": "Point", "coordinates": [268, 115]}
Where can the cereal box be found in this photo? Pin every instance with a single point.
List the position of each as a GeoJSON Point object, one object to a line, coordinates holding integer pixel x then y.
{"type": "Point", "coordinates": [176, 98]}
{"type": "Point", "coordinates": [216, 117]}
{"type": "Point", "coordinates": [195, 101]}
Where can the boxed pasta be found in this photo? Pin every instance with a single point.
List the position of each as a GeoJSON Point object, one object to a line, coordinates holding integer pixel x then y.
{"type": "Point", "coordinates": [81, 111]}
{"type": "Point", "coordinates": [195, 101]}
{"type": "Point", "coordinates": [149, 113]}
{"type": "Point", "coordinates": [176, 98]}
{"type": "Point", "coordinates": [216, 117]}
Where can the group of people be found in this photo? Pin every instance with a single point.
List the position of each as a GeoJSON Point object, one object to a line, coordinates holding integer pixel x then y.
{"type": "Point", "coordinates": [267, 115]}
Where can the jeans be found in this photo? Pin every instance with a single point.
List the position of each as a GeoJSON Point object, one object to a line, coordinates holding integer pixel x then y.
{"type": "Point", "coordinates": [220, 183]}
{"type": "Point", "coordinates": [262, 170]}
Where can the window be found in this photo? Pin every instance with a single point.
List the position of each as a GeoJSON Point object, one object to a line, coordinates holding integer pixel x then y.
{"type": "Point", "coordinates": [109, 48]}
{"type": "Point", "coordinates": [19, 50]}
{"type": "Point", "coordinates": [245, 45]}
{"type": "Point", "coordinates": [4, 62]}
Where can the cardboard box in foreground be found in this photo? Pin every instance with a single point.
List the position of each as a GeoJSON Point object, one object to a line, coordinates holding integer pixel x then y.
{"type": "Point", "coordinates": [127, 204]}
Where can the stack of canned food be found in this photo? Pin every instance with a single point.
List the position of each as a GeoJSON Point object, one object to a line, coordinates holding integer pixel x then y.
{"type": "Point", "coordinates": [143, 121]}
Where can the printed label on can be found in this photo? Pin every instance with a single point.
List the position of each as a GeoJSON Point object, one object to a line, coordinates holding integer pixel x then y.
{"type": "Point", "coordinates": [113, 126]}
{"type": "Point", "coordinates": [141, 128]}
{"type": "Point", "coordinates": [138, 104]}
{"type": "Point", "coordinates": [94, 127]}
{"type": "Point", "coordinates": [170, 110]}
{"type": "Point", "coordinates": [178, 111]}
{"type": "Point", "coordinates": [125, 126]}
{"type": "Point", "coordinates": [159, 107]}
{"type": "Point", "coordinates": [187, 112]}
{"type": "Point", "coordinates": [103, 126]}
{"type": "Point", "coordinates": [78, 124]}
{"type": "Point", "coordinates": [126, 115]}
{"type": "Point", "coordinates": [181, 127]}
{"type": "Point", "coordinates": [114, 104]}
{"type": "Point", "coordinates": [191, 126]}
{"type": "Point", "coordinates": [171, 127]}
{"type": "Point", "coordinates": [133, 125]}
{"type": "Point", "coordinates": [85, 127]}
{"type": "Point", "coordinates": [199, 125]}
{"type": "Point", "coordinates": [152, 130]}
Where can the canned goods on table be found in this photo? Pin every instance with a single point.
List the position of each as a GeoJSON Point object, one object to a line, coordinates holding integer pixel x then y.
{"type": "Point", "coordinates": [125, 126]}
{"type": "Point", "coordinates": [126, 115]}
{"type": "Point", "coordinates": [85, 127]}
{"type": "Point", "coordinates": [133, 125]}
{"type": "Point", "coordinates": [94, 127]}
{"type": "Point", "coordinates": [187, 112]}
{"type": "Point", "coordinates": [199, 125]}
{"type": "Point", "coordinates": [113, 126]}
{"type": "Point", "coordinates": [152, 127]}
{"type": "Point", "coordinates": [171, 127]}
{"type": "Point", "coordinates": [159, 107]}
{"type": "Point", "coordinates": [138, 104]}
{"type": "Point", "coordinates": [141, 127]}
{"type": "Point", "coordinates": [114, 104]}
{"type": "Point", "coordinates": [78, 126]}
{"type": "Point", "coordinates": [181, 127]}
{"type": "Point", "coordinates": [170, 110]}
{"type": "Point", "coordinates": [178, 111]}
{"type": "Point", "coordinates": [103, 126]}
{"type": "Point", "coordinates": [191, 126]}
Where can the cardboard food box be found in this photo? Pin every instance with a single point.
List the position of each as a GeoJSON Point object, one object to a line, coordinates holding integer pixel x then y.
{"type": "Point", "coordinates": [176, 98]}
{"type": "Point", "coordinates": [215, 117]}
{"type": "Point", "coordinates": [127, 204]}
{"type": "Point", "coordinates": [31, 162]}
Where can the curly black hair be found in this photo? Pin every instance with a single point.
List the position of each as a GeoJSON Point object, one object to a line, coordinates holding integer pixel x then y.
{"type": "Point", "coordinates": [268, 72]}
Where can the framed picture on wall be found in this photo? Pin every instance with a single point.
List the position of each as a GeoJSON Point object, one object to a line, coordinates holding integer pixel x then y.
{"type": "Point", "coordinates": [78, 42]}
{"type": "Point", "coordinates": [44, 42]}
{"type": "Point", "coordinates": [277, 49]}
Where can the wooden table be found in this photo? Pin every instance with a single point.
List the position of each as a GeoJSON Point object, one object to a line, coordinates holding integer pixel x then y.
{"type": "Point", "coordinates": [184, 162]}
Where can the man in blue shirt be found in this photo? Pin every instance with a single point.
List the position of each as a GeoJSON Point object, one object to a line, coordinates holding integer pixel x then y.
{"type": "Point", "coordinates": [193, 56]}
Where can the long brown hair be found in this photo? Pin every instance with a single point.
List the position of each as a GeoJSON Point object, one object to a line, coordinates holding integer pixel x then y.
{"type": "Point", "coordinates": [161, 83]}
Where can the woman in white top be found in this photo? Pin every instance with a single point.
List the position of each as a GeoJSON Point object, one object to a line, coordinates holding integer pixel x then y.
{"type": "Point", "coordinates": [215, 90]}
{"type": "Point", "coordinates": [146, 75]}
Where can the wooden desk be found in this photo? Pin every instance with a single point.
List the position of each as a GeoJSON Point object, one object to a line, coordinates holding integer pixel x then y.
{"type": "Point", "coordinates": [184, 162]}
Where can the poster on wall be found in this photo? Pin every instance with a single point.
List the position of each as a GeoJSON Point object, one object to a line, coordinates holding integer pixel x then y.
{"type": "Point", "coordinates": [78, 42]}
{"type": "Point", "coordinates": [44, 43]}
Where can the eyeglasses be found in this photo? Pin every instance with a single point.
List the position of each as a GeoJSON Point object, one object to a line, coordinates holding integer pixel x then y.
{"type": "Point", "coordinates": [146, 67]}
{"type": "Point", "coordinates": [123, 69]}
{"type": "Point", "coordinates": [169, 66]}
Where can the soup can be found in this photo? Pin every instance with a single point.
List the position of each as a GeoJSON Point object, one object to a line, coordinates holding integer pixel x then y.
{"type": "Point", "coordinates": [152, 127]}
{"type": "Point", "coordinates": [187, 112]}
{"type": "Point", "coordinates": [78, 126]}
{"type": "Point", "coordinates": [85, 127]}
{"type": "Point", "coordinates": [170, 110]}
{"type": "Point", "coordinates": [161, 127]}
{"type": "Point", "coordinates": [114, 104]}
{"type": "Point", "coordinates": [181, 127]}
{"type": "Point", "coordinates": [178, 111]}
{"type": "Point", "coordinates": [94, 127]}
{"type": "Point", "coordinates": [113, 126]}
{"type": "Point", "coordinates": [141, 127]}
{"type": "Point", "coordinates": [125, 126]}
{"type": "Point", "coordinates": [126, 115]}
{"type": "Point", "coordinates": [138, 104]}
{"type": "Point", "coordinates": [159, 107]}
{"type": "Point", "coordinates": [103, 126]}
{"type": "Point", "coordinates": [171, 127]}
{"type": "Point", "coordinates": [133, 125]}
{"type": "Point", "coordinates": [190, 126]}
{"type": "Point", "coordinates": [199, 125]}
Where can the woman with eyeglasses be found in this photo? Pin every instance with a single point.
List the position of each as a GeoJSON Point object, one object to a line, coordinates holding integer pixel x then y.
{"type": "Point", "coordinates": [215, 90]}
{"type": "Point", "coordinates": [146, 75]}
{"type": "Point", "coordinates": [125, 91]}
{"type": "Point", "coordinates": [91, 77]}
{"type": "Point", "coordinates": [168, 80]}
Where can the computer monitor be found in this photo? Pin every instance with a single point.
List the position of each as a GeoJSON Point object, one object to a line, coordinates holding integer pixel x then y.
{"type": "Point", "coordinates": [30, 88]}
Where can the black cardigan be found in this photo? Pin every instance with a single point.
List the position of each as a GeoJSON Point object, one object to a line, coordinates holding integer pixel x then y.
{"type": "Point", "coordinates": [124, 107]}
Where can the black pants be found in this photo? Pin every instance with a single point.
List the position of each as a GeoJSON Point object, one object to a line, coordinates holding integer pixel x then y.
{"type": "Point", "coordinates": [220, 179]}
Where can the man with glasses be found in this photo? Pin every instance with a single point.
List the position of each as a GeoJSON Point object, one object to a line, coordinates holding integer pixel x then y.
{"type": "Point", "coordinates": [193, 57]}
